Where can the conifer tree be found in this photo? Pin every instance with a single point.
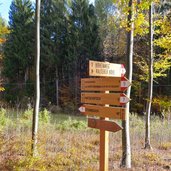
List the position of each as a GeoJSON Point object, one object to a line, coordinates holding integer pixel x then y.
{"type": "Point", "coordinates": [18, 49]}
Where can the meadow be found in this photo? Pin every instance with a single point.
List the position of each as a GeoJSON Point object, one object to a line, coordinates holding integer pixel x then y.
{"type": "Point", "coordinates": [65, 143]}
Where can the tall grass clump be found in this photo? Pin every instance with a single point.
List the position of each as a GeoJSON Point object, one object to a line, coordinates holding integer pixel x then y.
{"type": "Point", "coordinates": [137, 129]}
{"type": "Point", "coordinates": [72, 124]}
{"type": "Point", "coordinates": [3, 118]}
{"type": "Point", "coordinates": [44, 116]}
{"type": "Point", "coordinates": [160, 130]}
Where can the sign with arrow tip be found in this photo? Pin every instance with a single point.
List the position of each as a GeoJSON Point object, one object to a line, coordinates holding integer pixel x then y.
{"type": "Point", "coordinates": [105, 84]}
{"type": "Point", "coordinates": [103, 98]}
{"type": "Point", "coordinates": [106, 69]}
{"type": "Point", "coordinates": [102, 111]}
{"type": "Point", "coordinates": [104, 125]}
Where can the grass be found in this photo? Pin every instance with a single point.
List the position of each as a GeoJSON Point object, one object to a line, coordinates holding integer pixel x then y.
{"type": "Point", "coordinates": [65, 143]}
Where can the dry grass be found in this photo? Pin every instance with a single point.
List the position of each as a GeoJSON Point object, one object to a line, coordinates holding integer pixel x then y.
{"type": "Point", "coordinates": [77, 148]}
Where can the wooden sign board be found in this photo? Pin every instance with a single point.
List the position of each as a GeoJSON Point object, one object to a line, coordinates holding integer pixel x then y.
{"type": "Point", "coordinates": [106, 69]}
{"type": "Point", "coordinates": [102, 98]}
{"type": "Point", "coordinates": [105, 84]}
{"type": "Point", "coordinates": [101, 111]}
{"type": "Point", "coordinates": [104, 125]}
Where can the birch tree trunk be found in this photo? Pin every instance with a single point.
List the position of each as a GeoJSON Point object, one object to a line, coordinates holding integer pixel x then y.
{"type": "Point", "coordinates": [150, 82]}
{"type": "Point", "coordinates": [126, 147]}
{"type": "Point", "coordinates": [36, 108]}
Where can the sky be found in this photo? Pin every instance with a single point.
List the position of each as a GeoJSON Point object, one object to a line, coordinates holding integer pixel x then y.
{"type": "Point", "coordinates": [4, 8]}
{"type": "Point", "coordinates": [5, 5]}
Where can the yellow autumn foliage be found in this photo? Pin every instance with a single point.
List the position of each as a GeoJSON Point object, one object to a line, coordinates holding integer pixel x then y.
{"type": "Point", "coordinates": [164, 33]}
{"type": "Point", "coordinates": [3, 31]}
{"type": "Point", "coordinates": [2, 89]}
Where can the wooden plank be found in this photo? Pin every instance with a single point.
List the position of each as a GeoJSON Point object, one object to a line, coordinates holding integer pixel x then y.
{"type": "Point", "coordinates": [102, 98]}
{"type": "Point", "coordinates": [104, 145]}
{"type": "Point", "coordinates": [105, 84]}
{"type": "Point", "coordinates": [106, 69]}
{"type": "Point", "coordinates": [104, 150]}
{"type": "Point", "coordinates": [102, 111]}
{"type": "Point", "coordinates": [104, 125]}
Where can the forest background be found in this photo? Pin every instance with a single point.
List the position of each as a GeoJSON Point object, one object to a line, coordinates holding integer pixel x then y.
{"type": "Point", "coordinates": [72, 33]}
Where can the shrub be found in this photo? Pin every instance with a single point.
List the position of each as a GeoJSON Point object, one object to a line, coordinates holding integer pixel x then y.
{"type": "Point", "coordinates": [27, 115]}
{"type": "Point", "coordinates": [72, 124]}
{"type": "Point", "coordinates": [44, 116]}
{"type": "Point", "coordinates": [3, 118]}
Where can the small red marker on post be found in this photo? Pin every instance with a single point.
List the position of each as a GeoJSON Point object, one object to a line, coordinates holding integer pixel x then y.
{"type": "Point", "coordinates": [125, 83]}
{"type": "Point", "coordinates": [123, 99]}
{"type": "Point", "coordinates": [123, 70]}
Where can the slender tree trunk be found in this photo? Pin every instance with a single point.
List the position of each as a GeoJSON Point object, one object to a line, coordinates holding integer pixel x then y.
{"type": "Point", "coordinates": [36, 108]}
{"type": "Point", "coordinates": [57, 88]}
{"type": "Point", "coordinates": [76, 81]}
{"type": "Point", "coordinates": [26, 76]}
{"type": "Point", "coordinates": [150, 82]}
{"type": "Point", "coordinates": [126, 147]}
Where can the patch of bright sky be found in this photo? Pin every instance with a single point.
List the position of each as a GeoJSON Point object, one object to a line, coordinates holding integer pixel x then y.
{"type": "Point", "coordinates": [5, 6]}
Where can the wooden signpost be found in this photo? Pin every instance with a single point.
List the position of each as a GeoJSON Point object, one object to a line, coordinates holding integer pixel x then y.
{"type": "Point", "coordinates": [97, 99]}
{"type": "Point", "coordinates": [105, 84]}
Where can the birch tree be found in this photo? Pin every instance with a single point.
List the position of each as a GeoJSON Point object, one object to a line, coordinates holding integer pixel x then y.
{"type": "Point", "coordinates": [126, 147]}
{"type": "Point", "coordinates": [150, 82]}
{"type": "Point", "coordinates": [36, 108]}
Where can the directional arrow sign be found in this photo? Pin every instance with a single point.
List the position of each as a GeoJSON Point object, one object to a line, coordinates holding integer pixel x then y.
{"type": "Point", "coordinates": [104, 125]}
{"type": "Point", "coordinates": [102, 98]}
{"type": "Point", "coordinates": [105, 84]}
{"type": "Point", "coordinates": [105, 69]}
{"type": "Point", "coordinates": [101, 111]}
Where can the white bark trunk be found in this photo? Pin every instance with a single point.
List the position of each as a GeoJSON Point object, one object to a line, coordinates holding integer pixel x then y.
{"type": "Point", "coordinates": [126, 147]}
{"type": "Point", "coordinates": [150, 82]}
{"type": "Point", "coordinates": [36, 108]}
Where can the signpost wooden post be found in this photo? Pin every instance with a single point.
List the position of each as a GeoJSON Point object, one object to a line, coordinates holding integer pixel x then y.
{"type": "Point", "coordinates": [97, 100]}
{"type": "Point", "coordinates": [104, 144]}
{"type": "Point", "coordinates": [104, 148]}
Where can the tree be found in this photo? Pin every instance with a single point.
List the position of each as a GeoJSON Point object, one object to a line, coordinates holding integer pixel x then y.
{"type": "Point", "coordinates": [163, 39]}
{"type": "Point", "coordinates": [18, 51]}
{"type": "Point", "coordinates": [112, 36]}
{"type": "Point", "coordinates": [83, 30]}
{"type": "Point", "coordinates": [126, 148]}
{"type": "Point", "coordinates": [150, 82]}
{"type": "Point", "coordinates": [37, 98]}
{"type": "Point", "coordinates": [53, 43]}
{"type": "Point", "coordinates": [104, 9]}
{"type": "Point", "coordinates": [3, 33]}
{"type": "Point", "coordinates": [82, 41]}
